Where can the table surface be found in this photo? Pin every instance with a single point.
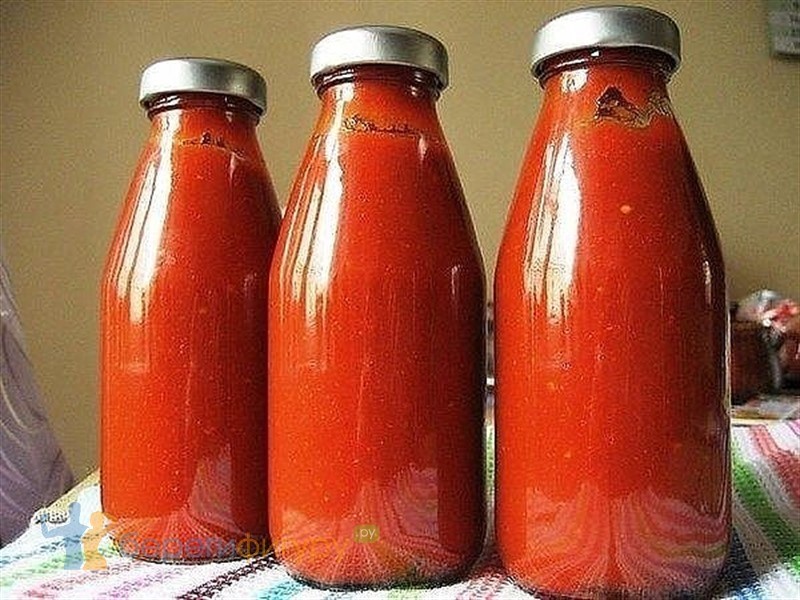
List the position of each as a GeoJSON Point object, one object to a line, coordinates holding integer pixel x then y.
{"type": "Point", "coordinates": [764, 561]}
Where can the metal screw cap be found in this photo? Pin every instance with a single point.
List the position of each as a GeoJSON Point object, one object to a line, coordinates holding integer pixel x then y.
{"type": "Point", "coordinates": [606, 27]}
{"type": "Point", "coordinates": [380, 44]}
{"type": "Point", "coordinates": [210, 75]}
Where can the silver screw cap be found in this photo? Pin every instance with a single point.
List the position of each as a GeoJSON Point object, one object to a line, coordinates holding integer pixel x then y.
{"type": "Point", "coordinates": [606, 27]}
{"type": "Point", "coordinates": [380, 44]}
{"type": "Point", "coordinates": [209, 75]}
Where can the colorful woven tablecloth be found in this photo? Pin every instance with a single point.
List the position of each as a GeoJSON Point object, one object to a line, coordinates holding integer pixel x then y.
{"type": "Point", "coordinates": [764, 562]}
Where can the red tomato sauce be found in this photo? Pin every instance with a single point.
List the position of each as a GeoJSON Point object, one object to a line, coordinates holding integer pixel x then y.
{"type": "Point", "coordinates": [612, 409]}
{"type": "Point", "coordinates": [184, 305]}
{"type": "Point", "coordinates": [376, 348]}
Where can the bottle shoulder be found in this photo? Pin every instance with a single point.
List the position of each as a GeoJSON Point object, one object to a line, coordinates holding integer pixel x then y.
{"type": "Point", "coordinates": [369, 200]}
{"type": "Point", "coordinates": [191, 209]}
{"type": "Point", "coordinates": [609, 187]}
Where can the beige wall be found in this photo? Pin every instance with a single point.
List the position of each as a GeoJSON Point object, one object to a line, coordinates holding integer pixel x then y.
{"type": "Point", "coordinates": [71, 130]}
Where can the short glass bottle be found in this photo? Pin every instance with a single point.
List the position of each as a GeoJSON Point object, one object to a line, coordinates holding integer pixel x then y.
{"type": "Point", "coordinates": [184, 317]}
{"type": "Point", "coordinates": [613, 466]}
{"type": "Point", "coordinates": [377, 331]}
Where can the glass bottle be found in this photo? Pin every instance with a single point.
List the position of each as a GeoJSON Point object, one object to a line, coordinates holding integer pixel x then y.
{"type": "Point", "coordinates": [184, 317]}
{"type": "Point", "coordinates": [376, 331]}
{"type": "Point", "coordinates": [613, 472]}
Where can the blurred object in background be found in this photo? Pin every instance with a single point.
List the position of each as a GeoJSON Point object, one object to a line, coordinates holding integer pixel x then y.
{"type": "Point", "coordinates": [789, 353]}
{"type": "Point", "coordinates": [766, 407]}
{"type": "Point", "coordinates": [751, 367]}
{"type": "Point", "coordinates": [33, 470]}
{"type": "Point", "coordinates": [764, 344]}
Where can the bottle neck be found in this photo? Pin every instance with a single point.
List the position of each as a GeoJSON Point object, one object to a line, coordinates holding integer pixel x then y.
{"type": "Point", "coordinates": [205, 118]}
{"type": "Point", "coordinates": [388, 98]}
{"type": "Point", "coordinates": [626, 84]}
{"type": "Point", "coordinates": [232, 106]}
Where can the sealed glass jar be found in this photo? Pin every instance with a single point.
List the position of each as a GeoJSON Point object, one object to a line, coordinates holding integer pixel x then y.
{"type": "Point", "coordinates": [376, 330]}
{"type": "Point", "coordinates": [613, 472]}
{"type": "Point", "coordinates": [184, 318]}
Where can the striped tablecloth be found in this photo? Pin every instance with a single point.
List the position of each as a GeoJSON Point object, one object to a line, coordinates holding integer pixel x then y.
{"type": "Point", "coordinates": [764, 562]}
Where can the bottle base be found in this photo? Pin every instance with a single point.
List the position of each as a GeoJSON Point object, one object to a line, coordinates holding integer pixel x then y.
{"type": "Point", "coordinates": [610, 593]}
{"type": "Point", "coordinates": [177, 560]}
{"type": "Point", "coordinates": [417, 583]}
{"type": "Point", "coordinates": [149, 546]}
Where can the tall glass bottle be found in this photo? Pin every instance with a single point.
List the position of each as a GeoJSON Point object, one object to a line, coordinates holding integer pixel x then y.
{"type": "Point", "coordinates": [613, 474]}
{"type": "Point", "coordinates": [376, 330]}
{"type": "Point", "coordinates": [184, 317]}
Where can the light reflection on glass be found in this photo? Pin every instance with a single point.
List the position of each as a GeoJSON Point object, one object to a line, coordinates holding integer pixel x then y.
{"type": "Point", "coordinates": [132, 241]}
{"type": "Point", "coordinates": [552, 244]}
{"type": "Point", "coordinates": [574, 80]}
{"type": "Point", "coordinates": [326, 202]}
{"type": "Point", "coordinates": [152, 218]}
